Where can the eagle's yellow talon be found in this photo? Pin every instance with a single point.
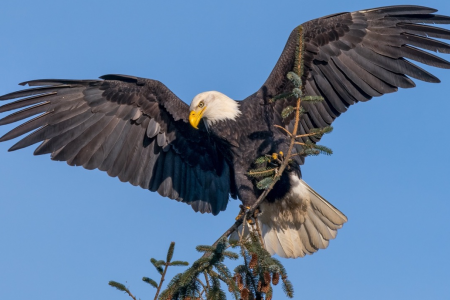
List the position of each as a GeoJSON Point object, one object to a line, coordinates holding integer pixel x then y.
{"type": "Point", "coordinates": [281, 153]}
{"type": "Point", "coordinates": [243, 211]}
{"type": "Point", "coordinates": [274, 156]}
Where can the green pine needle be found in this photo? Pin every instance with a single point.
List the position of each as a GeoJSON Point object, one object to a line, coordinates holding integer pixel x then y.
{"type": "Point", "coordinates": [278, 263]}
{"type": "Point", "coordinates": [172, 287]}
{"type": "Point", "coordinates": [261, 160]}
{"type": "Point", "coordinates": [262, 172]}
{"type": "Point", "coordinates": [231, 255]}
{"type": "Point", "coordinates": [295, 79]}
{"type": "Point", "coordinates": [179, 263]}
{"type": "Point", "coordinates": [312, 99]}
{"type": "Point", "coordinates": [310, 152]}
{"type": "Point", "coordinates": [279, 97]}
{"type": "Point", "coordinates": [215, 292]}
{"type": "Point", "coordinates": [204, 248]}
{"type": "Point", "coordinates": [327, 129]}
{"type": "Point", "coordinates": [319, 132]}
{"type": "Point", "coordinates": [269, 293]}
{"type": "Point", "coordinates": [264, 183]}
{"type": "Point", "coordinates": [288, 288]}
{"type": "Point", "coordinates": [287, 111]}
{"type": "Point", "coordinates": [302, 110]}
{"type": "Point", "coordinates": [118, 286]}
{"type": "Point", "coordinates": [241, 269]}
{"type": "Point", "coordinates": [158, 265]}
{"type": "Point", "coordinates": [323, 149]}
{"type": "Point", "coordinates": [150, 281]}
{"type": "Point", "coordinates": [170, 251]}
{"type": "Point", "coordinates": [297, 92]}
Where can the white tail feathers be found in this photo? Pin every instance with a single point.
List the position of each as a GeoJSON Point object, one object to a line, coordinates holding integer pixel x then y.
{"type": "Point", "coordinates": [299, 224]}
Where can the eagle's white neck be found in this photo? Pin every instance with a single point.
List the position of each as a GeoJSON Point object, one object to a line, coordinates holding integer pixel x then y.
{"type": "Point", "coordinates": [219, 107]}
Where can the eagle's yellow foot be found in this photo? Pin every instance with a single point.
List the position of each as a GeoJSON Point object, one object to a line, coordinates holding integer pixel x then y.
{"type": "Point", "coordinates": [251, 222]}
{"type": "Point", "coordinates": [278, 157]}
{"type": "Point", "coordinates": [243, 211]}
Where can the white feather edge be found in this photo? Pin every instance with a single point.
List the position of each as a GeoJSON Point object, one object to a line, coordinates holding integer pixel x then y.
{"type": "Point", "coordinates": [301, 223]}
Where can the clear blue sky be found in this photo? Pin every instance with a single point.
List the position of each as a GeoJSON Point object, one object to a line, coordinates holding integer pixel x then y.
{"type": "Point", "coordinates": [65, 232]}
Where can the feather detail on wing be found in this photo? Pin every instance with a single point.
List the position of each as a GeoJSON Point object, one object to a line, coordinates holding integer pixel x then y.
{"type": "Point", "coordinates": [133, 128]}
{"type": "Point", "coordinates": [352, 57]}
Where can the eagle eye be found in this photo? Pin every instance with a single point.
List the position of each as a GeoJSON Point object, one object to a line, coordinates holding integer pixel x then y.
{"type": "Point", "coordinates": [201, 104]}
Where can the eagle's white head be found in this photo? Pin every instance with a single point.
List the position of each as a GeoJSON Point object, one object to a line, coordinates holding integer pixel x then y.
{"type": "Point", "coordinates": [213, 107]}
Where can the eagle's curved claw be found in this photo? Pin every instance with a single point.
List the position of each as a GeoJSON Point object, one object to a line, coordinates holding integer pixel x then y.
{"type": "Point", "coordinates": [243, 211]}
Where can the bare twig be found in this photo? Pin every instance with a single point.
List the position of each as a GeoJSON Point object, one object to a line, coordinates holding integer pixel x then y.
{"type": "Point", "coordinates": [162, 280]}
{"type": "Point", "coordinates": [130, 294]}
{"type": "Point", "coordinates": [206, 279]}
{"type": "Point", "coordinates": [205, 289]}
{"type": "Point", "coordinates": [256, 173]}
{"type": "Point", "coordinates": [306, 135]}
{"type": "Point", "coordinates": [281, 127]}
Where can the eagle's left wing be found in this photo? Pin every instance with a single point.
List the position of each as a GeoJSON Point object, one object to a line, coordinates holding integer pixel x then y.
{"type": "Point", "coordinates": [352, 57]}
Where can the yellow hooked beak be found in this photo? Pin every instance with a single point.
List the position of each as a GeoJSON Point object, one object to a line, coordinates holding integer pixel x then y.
{"type": "Point", "coordinates": [195, 117]}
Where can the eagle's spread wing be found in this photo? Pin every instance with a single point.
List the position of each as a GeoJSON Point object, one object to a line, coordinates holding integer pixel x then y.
{"type": "Point", "coordinates": [352, 57]}
{"type": "Point", "coordinates": [349, 57]}
{"type": "Point", "coordinates": [132, 128]}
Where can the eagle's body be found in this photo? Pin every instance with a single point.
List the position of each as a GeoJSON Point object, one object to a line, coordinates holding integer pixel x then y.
{"type": "Point", "coordinates": [138, 130]}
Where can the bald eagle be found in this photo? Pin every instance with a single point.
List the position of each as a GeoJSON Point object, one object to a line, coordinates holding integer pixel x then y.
{"type": "Point", "coordinates": [136, 129]}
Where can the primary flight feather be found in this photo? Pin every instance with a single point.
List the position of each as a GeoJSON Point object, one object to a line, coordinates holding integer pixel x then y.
{"type": "Point", "coordinates": [136, 129]}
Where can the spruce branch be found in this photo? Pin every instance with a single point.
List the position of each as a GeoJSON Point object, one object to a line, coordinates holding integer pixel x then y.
{"type": "Point", "coordinates": [265, 183]}
{"type": "Point", "coordinates": [170, 252]}
{"type": "Point", "coordinates": [323, 150]}
{"type": "Point", "coordinates": [297, 93]}
{"type": "Point", "coordinates": [230, 255]}
{"type": "Point", "coordinates": [205, 248]}
{"type": "Point", "coordinates": [279, 97]}
{"type": "Point", "coordinates": [150, 281]}
{"type": "Point", "coordinates": [205, 288]}
{"type": "Point", "coordinates": [122, 288]}
{"type": "Point", "coordinates": [166, 266]}
{"type": "Point", "coordinates": [206, 279]}
{"type": "Point", "coordinates": [262, 172]}
{"type": "Point", "coordinates": [287, 112]}
{"type": "Point", "coordinates": [317, 132]}
{"type": "Point", "coordinates": [285, 130]}
{"type": "Point", "coordinates": [288, 288]}
{"type": "Point", "coordinates": [295, 79]}
{"type": "Point", "coordinates": [158, 265]}
{"type": "Point", "coordinates": [313, 99]}
{"type": "Point", "coordinates": [179, 263]}
{"type": "Point", "coordinates": [262, 159]}
{"type": "Point", "coordinates": [188, 284]}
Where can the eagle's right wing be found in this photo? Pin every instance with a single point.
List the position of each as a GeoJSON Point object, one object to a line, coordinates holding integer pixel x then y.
{"type": "Point", "coordinates": [132, 128]}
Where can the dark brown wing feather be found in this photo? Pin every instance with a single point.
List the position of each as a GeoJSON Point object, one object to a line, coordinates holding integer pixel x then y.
{"type": "Point", "coordinates": [132, 128]}
{"type": "Point", "coordinates": [352, 57]}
